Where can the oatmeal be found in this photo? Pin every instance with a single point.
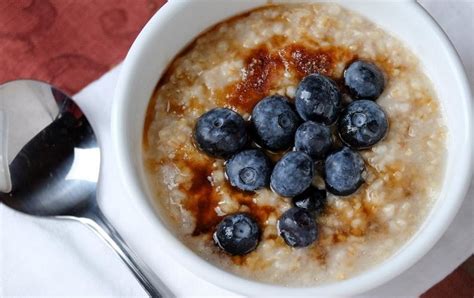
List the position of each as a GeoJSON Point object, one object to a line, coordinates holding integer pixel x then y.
{"type": "Point", "coordinates": [268, 52]}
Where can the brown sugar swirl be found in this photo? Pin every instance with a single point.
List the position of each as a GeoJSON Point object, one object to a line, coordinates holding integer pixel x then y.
{"type": "Point", "coordinates": [263, 70]}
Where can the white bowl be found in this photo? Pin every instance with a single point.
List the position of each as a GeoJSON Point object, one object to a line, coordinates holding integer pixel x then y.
{"type": "Point", "coordinates": [177, 23]}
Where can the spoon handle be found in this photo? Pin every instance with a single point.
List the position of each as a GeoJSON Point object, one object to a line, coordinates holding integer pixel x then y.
{"type": "Point", "coordinates": [103, 228]}
{"type": "Point", "coordinates": [5, 180]}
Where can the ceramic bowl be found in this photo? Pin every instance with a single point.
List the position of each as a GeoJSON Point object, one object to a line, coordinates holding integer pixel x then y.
{"type": "Point", "coordinates": [178, 23]}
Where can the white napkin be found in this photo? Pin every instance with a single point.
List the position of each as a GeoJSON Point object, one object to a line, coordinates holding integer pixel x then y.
{"type": "Point", "coordinates": [52, 257]}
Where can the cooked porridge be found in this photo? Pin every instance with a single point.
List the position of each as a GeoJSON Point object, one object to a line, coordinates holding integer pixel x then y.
{"type": "Point", "coordinates": [268, 52]}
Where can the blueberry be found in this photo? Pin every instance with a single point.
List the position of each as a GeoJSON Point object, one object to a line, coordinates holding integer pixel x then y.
{"type": "Point", "coordinates": [220, 132]}
{"type": "Point", "coordinates": [317, 98]}
{"type": "Point", "coordinates": [312, 199]}
{"type": "Point", "coordinates": [275, 123]}
{"type": "Point", "coordinates": [237, 234]}
{"type": "Point", "coordinates": [362, 124]}
{"type": "Point", "coordinates": [292, 174]}
{"type": "Point", "coordinates": [249, 170]}
{"type": "Point", "coordinates": [313, 138]}
{"type": "Point", "coordinates": [297, 227]}
{"type": "Point", "coordinates": [343, 172]}
{"type": "Point", "coordinates": [364, 80]}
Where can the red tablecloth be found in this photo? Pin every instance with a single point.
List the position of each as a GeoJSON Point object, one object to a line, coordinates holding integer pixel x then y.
{"type": "Point", "coordinates": [70, 43]}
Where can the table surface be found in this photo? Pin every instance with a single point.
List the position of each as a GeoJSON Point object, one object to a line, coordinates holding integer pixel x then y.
{"type": "Point", "coordinates": [45, 257]}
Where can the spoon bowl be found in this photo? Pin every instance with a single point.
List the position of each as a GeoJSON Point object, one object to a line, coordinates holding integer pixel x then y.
{"type": "Point", "coordinates": [56, 173]}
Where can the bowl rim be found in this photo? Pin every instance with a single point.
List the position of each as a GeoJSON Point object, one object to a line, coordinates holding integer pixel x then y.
{"type": "Point", "coordinates": [364, 281]}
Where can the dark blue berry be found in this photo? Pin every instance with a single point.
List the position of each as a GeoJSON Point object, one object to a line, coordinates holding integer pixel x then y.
{"type": "Point", "coordinates": [249, 170]}
{"type": "Point", "coordinates": [343, 172]}
{"type": "Point", "coordinates": [220, 132]}
{"type": "Point", "coordinates": [292, 174]}
{"type": "Point", "coordinates": [317, 98]}
{"type": "Point", "coordinates": [297, 227]}
{"type": "Point", "coordinates": [312, 199]}
{"type": "Point", "coordinates": [362, 124]}
{"type": "Point", "coordinates": [364, 80]}
{"type": "Point", "coordinates": [237, 234]}
{"type": "Point", "coordinates": [275, 123]}
{"type": "Point", "coordinates": [313, 138]}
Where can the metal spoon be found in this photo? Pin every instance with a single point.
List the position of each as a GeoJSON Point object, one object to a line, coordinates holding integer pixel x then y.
{"type": "Point", "coordinates": [56, 173]}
